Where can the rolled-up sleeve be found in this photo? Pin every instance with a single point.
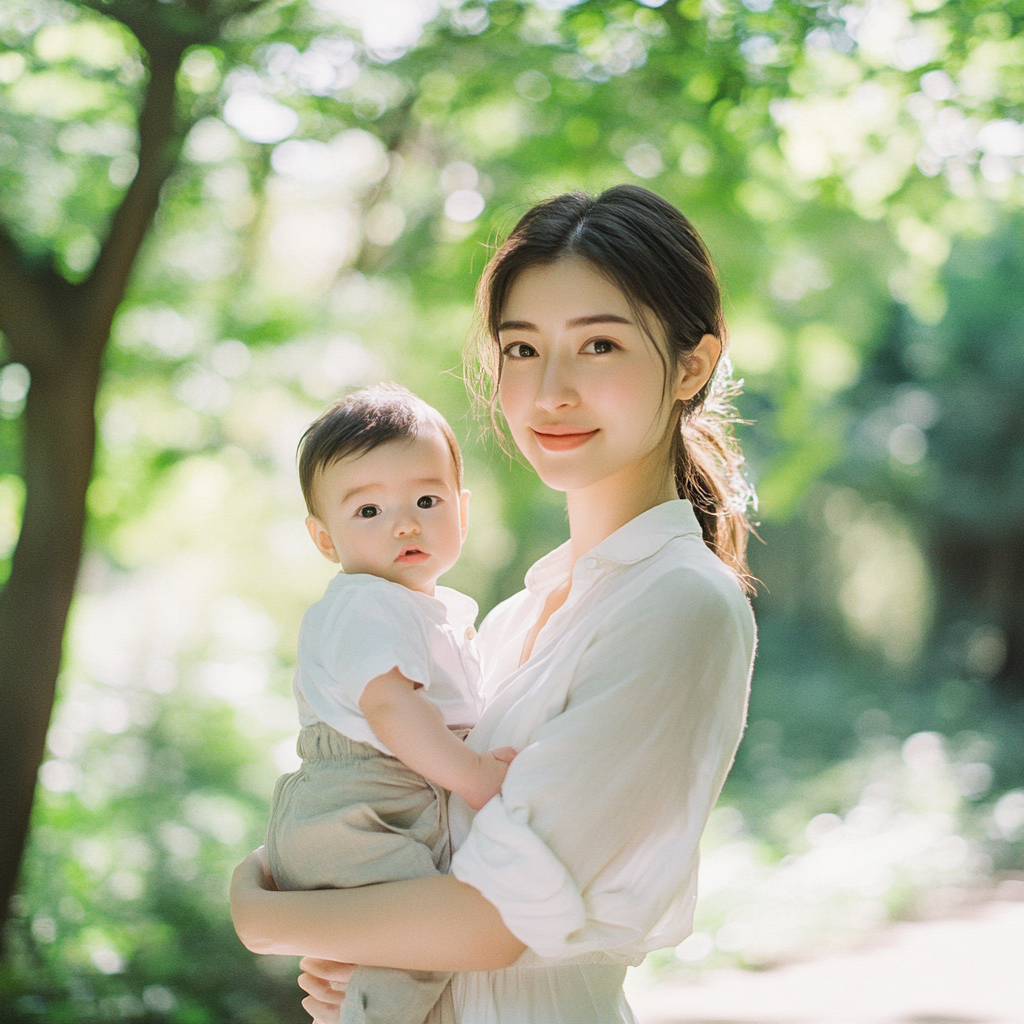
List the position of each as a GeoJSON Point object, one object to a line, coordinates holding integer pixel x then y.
{"type": "Point", "coordinates": [593, 843]}
{"type": "Point", "coordinates": [539, 901]}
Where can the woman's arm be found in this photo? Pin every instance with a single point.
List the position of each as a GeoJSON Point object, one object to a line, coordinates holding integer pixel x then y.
{"type": "Point", "coordinates": [422, 924]}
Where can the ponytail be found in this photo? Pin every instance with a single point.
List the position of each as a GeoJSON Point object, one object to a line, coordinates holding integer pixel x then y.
{"type": "Point", "coordinates": [709, 474]}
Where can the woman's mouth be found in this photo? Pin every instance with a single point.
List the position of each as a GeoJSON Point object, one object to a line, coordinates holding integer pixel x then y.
{"type": "Point", "coordinates": [412, 556]}
{"type": "Point", "coordinates": [562, 438]}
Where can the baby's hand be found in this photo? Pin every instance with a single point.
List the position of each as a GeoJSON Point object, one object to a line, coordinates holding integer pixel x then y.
{"type": "Point", "coordinates": [488, 777]}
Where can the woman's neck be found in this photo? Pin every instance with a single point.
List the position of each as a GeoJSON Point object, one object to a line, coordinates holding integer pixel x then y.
{"type": "Point", "coordinates": [596, 512]}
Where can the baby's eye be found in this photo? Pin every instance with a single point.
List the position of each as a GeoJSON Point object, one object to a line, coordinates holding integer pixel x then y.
{"type": "Point", "coordinates": [368, 511]}
{"type": "Point", "coordinates": [599, 346]}
{"type": "Point", "coordinates": [519, 350]}
{"type": "Point", "coordinates": [427, 501]}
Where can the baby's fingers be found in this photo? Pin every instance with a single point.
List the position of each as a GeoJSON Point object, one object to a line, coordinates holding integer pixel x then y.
{"type": "Point", "coordinates": [504, 754]}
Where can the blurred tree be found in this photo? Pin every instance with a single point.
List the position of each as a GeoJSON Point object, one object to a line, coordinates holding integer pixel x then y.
{"type": "Point", "coordinates": [56, 329]}
{"type": "Point", "coordinates": [940, 435]}
{"type": "Point", "coordinates": [895, 589]}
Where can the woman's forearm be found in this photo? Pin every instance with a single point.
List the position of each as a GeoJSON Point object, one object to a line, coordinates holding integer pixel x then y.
{"type": "Point", "coordinates": [422, 924]}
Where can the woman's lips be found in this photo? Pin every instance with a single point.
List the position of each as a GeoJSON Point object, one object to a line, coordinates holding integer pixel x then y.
{"type": "Point", "coordinates": [415, 557]}
{"type": "Point", "coordinates": [561, 439]}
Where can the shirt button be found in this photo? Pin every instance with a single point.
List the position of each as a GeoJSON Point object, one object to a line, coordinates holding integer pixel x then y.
{"type": "Point", "coordinates": [591, 563]}
{"type": "Point", "coordinates": [470, 632]}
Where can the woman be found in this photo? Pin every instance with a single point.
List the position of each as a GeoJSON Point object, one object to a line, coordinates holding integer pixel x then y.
{"type": "Point", "coordinates": [620, 673]}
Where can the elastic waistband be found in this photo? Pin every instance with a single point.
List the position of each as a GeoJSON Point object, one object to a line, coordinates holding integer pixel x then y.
{"type": "Point", "coordinates": [319, 742]}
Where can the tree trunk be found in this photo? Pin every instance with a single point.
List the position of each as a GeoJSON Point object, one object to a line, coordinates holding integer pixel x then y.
{"type": "Point", "coordinates": [59, 332]}
{"type": "Point", "coordinates": [58, 455]}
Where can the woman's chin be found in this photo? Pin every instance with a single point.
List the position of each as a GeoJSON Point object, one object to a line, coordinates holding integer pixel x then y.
{"type": "Point", "coordinates": [572, 470]}
{"type": "Point", "coordinates": [568, 478]}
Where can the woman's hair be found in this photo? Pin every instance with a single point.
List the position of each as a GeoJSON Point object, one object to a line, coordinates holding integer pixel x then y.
{"type": "Point", "coordinates": [654, 255]}
{"type": "Point", "coordinates": [362, 421]}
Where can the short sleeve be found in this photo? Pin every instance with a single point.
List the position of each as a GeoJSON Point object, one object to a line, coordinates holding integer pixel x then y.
{"type": "Point", "coordinates": [355, 635]}
{"type": "Point", "coordinates": [593, 843]}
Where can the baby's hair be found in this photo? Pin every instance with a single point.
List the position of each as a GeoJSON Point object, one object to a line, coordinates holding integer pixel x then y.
{"type": "Point", "coordinates": [362, 421]}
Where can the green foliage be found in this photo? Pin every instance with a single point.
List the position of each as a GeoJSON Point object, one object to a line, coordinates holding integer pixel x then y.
{"type": "Point", "coordinates": [338, 191]}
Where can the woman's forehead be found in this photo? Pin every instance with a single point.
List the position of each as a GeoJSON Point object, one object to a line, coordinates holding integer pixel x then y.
{"type": "Point", "coordinates": [572, 294]}
{"type": "Point", "coordinates": [570, 289]}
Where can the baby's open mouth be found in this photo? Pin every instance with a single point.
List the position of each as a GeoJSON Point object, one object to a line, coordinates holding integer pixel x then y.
{"type": "Point", "coordinates": [412, 555]}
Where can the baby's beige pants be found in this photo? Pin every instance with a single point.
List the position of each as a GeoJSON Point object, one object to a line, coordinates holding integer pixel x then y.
{"type": "Point", "coordinates": [353, 816]}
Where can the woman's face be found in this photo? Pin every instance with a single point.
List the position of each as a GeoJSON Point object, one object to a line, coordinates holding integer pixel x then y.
{"type": "Point", "coordinates": [582, 386]}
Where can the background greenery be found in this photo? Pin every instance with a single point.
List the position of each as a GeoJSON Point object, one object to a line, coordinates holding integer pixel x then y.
{"type": "Point", "coordinates": [856, 171]}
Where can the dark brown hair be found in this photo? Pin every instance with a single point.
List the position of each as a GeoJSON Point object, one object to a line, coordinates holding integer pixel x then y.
{"type": "Point", "coordinates": [654, 255]}
{"type": "Point", "coordinates": [362, 421]}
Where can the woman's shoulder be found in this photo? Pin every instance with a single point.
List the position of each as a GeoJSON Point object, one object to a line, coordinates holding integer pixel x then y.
{"type": "Point", "coordinates": [687, 582]}
{"type": "Point", "coordinates": [688, 570]}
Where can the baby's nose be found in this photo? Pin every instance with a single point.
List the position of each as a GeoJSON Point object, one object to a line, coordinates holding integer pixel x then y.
{"type": "Point", "coordinates": [406, 525]}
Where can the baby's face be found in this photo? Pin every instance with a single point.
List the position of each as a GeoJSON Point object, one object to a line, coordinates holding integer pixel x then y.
{"type": "Point", "coordinates": [395, 512]}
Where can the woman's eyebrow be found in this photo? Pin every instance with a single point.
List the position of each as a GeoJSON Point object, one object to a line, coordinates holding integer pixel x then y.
{"type": "Point", "coordinates": [598, 318]}
{"type": "Point", "coordinates": [579, 321]}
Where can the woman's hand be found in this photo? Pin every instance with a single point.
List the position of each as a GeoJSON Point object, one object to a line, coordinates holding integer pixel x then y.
{"type": "Point", "coordinates": [325, 981]}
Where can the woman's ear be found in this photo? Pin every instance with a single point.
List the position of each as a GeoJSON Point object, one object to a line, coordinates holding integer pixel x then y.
{"type": "Point", "coordinates": [696, 367]}
{"type": "Point", "coordinates": [464, 513]}
{"type": "Point", "coordinates": [322, 539]}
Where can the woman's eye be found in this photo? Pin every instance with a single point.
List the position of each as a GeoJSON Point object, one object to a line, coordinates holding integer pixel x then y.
{"type": "Point", "coordinates": [519, 350]}
{"type": "Point", "coordinates": [427, 501]}
{"type": "Point", "coordinates": [368, 512]}
{"type": "Point", "coordinates": [599, 347]}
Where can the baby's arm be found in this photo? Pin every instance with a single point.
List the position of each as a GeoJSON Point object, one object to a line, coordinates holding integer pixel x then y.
{"type": "Point", "coordinates": [413, 729]}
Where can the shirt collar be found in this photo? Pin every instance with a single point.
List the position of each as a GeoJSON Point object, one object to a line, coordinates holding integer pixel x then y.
{"type": "Point", "coordinates": [461, 609]}
{"type": "Point", "coordinates": [640, 538]}
{"type": "Point", "coordinates": [446, 605]}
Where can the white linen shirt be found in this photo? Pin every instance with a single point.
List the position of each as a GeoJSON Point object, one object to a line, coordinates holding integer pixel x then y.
{"type": "Point", "coordinates": [626, 718]}
{"type": "Point", "coordinates": [365, 626]}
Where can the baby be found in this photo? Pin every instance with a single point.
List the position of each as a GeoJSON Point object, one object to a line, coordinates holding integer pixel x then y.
{"type": "Point", "coordinates": [388, 679]}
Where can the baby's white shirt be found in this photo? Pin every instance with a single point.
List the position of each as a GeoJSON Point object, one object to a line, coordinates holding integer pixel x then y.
{"type": "Point", "coordinates": [365, 626]}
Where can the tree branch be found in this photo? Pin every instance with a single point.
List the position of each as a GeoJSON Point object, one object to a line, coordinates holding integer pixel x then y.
{"type": "Point", "coordinates": [159, 24]}
{"type": "Point", "coordinates": [159, 142]}
{"type": "Point", "coordinates": [165, 34]}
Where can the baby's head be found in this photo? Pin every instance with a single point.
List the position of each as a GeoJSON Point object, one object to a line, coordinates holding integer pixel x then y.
{"type": "Point", "coordinates": [381, 473]}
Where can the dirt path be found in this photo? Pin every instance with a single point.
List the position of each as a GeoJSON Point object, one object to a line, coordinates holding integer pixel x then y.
{"type": "Point", "coordinates": [967, 970]}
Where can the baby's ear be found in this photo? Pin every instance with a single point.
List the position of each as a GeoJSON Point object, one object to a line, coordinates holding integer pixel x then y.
{"type": "Point", "coordinates": [464, 512]}
{"type": "Point", "coordinates": [322, 539]}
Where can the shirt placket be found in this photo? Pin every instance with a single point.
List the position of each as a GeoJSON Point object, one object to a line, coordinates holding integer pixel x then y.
{"type": "Point", "coordinates": [586, 573]}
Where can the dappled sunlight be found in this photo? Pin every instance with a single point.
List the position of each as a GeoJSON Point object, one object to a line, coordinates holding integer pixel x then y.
{"type": "Point", "coordinates": [886, 594]}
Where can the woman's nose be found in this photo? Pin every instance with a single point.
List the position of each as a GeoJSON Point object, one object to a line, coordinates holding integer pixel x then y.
{"type": "Point", "coordinates": [557, 387]}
